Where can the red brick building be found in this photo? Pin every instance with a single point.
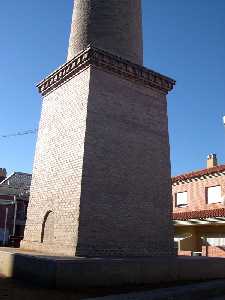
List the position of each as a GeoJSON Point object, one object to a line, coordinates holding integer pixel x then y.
{"type": "Point", "coordinates": [199, 210]}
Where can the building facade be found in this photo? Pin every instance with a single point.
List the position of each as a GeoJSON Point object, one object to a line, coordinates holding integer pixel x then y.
{"type": "Point", "coordinates": [199, 210]}
{"type": "Point", "coordinates": [14, 197]}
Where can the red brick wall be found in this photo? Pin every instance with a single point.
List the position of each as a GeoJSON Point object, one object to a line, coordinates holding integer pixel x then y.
{"type": "Point", "coordinates": [185, 253]}
{"type": "Point", "coordinates": [214, 251]}
{"type": "Point", "coordinates": [197, 193]}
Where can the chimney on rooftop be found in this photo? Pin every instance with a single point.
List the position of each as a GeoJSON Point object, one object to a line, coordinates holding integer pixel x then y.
{"type": "Point", "coordinates": [3, 174]}
{"type": "Point", "coordinates": [211, 161]}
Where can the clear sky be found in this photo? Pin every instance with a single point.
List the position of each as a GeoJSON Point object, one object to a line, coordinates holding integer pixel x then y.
{"type": "Point", "coordinates": [182, 39]}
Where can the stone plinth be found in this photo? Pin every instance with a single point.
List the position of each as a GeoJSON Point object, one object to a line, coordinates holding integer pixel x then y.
{"type": "Point", "coordinates": [83, 273]}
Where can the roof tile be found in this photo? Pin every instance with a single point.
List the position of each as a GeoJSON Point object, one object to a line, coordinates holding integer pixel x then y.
{"type": "Point", "coordinates": [199, 214]}
{"type": "Point", "coordinates": [199, 173]}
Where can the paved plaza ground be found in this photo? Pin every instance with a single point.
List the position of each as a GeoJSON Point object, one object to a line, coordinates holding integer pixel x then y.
{"type": "Point", "coordinates": [11, 289]}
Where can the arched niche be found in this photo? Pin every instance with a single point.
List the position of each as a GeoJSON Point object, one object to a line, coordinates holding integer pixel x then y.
{"type": "Point", "coordinates": [47, 232]}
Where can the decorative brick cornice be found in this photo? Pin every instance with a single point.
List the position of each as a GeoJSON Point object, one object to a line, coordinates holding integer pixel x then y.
{"type": "Point", "coordinates": [107, 62]}
{"type": "Point", "coordinates": [199, 214]}
{"type": "Point", "coordinates": [201, 174]}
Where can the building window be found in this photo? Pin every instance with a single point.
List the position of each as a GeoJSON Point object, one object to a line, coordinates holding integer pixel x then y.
{"type": "Point", "coordinates": [214, 194]}
{"type": "Point", "coordinates": [181, 199]}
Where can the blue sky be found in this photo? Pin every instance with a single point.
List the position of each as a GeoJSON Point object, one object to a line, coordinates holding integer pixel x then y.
{"type": "Point", "coordinates": [182, 39]}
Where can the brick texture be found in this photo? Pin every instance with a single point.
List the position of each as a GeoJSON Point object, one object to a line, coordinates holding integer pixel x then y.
{"type": "Point", "coordinates": [197, 194]}
{"type": "Point", "coordinates": [196, 184]}
{"type": "Point", "coordinates": [102, 167]}
{"type": "Point", "coordinates": [114, 26]}
{"type": "Point", "coordinates": [213, 251]}
{"type": "Point", "coordinates": [185, 253]}
{"type": "Point", "coordinates": [57, 171]}
{"type": "Point", "coordinates": [126, 171]}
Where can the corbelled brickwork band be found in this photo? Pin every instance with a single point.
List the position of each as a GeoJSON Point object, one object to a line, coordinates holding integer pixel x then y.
{"type": "Point", "coordinates": [114, 26]}
{"type": "Point", "coordinates": [107, 62]}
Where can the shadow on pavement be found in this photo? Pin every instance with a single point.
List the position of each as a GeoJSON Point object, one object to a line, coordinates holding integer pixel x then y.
{"type": "Point", "coordinates": [11, 289]}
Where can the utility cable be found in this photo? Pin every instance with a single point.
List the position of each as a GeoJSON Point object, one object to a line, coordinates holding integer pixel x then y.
{"type": "Point", "coordinates": [19, 133]}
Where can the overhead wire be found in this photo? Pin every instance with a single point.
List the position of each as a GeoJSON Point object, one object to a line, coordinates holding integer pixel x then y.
{"type": "Point", "coordinates": [19, 133]}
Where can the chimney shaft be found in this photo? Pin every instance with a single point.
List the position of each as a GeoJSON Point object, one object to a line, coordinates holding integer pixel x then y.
{"type": "Point", "coordinates": [114, 26]}
{"type": "Point", "coordinates": [211, 161]}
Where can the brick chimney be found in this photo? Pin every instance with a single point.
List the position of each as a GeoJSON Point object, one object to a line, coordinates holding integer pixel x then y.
{"type": "Point", "coordinates": [3, 174]}
{"type": "Point", "coordinates": [113, 26]}
{"type": "Point", "coordinates": [211, 161]}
